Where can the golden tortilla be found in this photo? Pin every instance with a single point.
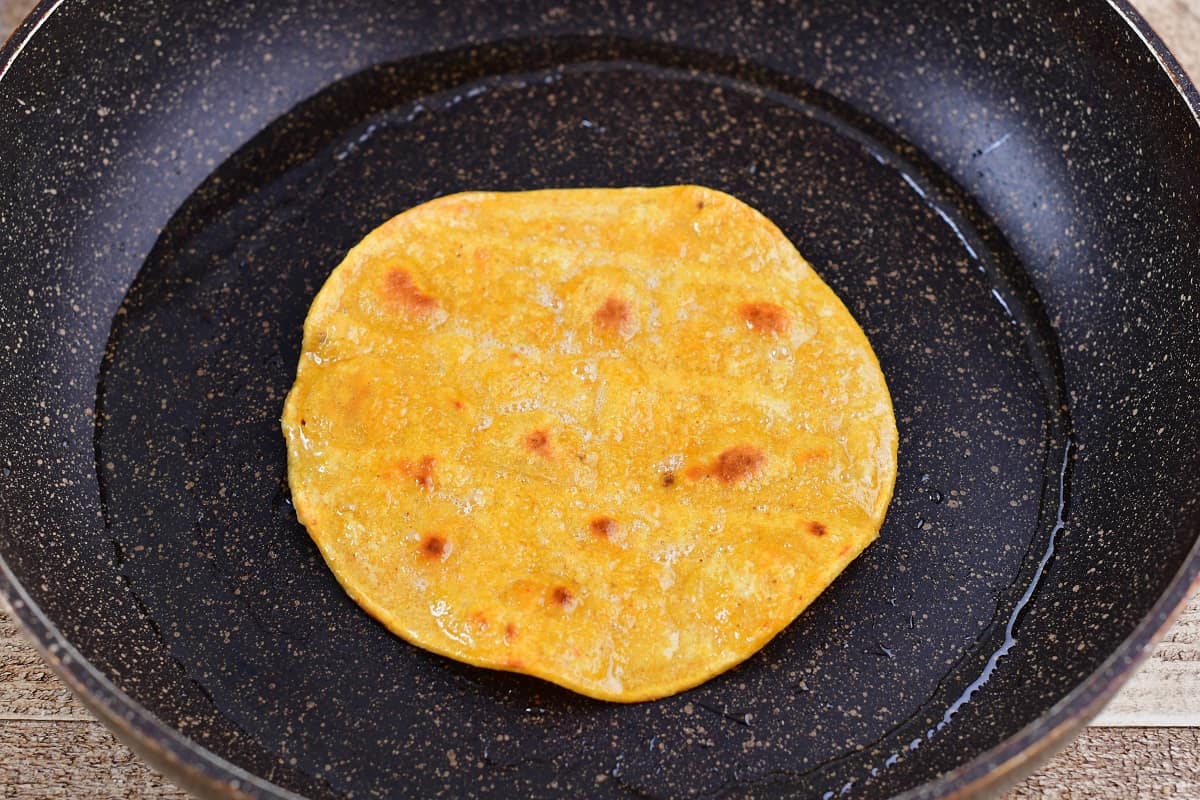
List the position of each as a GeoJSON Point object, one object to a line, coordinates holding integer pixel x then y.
{"type": "Point", "coordinates": [614, 438]}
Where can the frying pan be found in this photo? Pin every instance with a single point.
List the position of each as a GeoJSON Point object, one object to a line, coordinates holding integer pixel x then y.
{"type": "Point", "coordinates": [1006, 195]}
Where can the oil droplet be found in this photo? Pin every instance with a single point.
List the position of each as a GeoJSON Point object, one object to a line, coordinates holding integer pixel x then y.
{"type": "Point", "coordinates": [935, 496]}
{"type": "Point", "coordinates": [920, 523]}
{"type": "Point", "coordinates": [925, 477]}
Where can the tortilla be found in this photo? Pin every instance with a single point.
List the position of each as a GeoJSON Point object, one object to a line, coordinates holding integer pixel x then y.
{"type": "Point", "coordinates": [614, 438]}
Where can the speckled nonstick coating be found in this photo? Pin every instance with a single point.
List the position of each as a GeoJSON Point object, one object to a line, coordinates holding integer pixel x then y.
{"type": "Point", "coordinates": [1005, 195]}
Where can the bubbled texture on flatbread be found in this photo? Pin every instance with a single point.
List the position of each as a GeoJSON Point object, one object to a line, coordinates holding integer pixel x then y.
{"type": "Point", "coordinates": [614, 438]}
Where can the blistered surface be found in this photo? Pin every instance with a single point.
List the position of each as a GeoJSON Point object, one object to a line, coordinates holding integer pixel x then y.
{"type": "Point", "coordinates": [614, 438]}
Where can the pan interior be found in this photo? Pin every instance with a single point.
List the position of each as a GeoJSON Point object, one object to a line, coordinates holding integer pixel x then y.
{"type": "Point", "coordinates": [203, 351]}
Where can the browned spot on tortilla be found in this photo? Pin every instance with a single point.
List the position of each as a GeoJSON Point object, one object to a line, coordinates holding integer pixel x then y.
{"type": "Point", "coordinates": [459, 404]}
{"type": "Point", "coordinates": [514, 663]}
{"type": "Point", "coordinates": [668, 479]}
{"type": "Point", "coordinates": [737, 463]}
{"type": "Point", "coordinates": [699, 204]}
{"type": "Point", "coordinates": [400, 289]}
{"type": "Point", "coordinates": [817, 529]}
{"type": "Point", "coordinates": [510, 632]}
{"type": "Point", "coordinates": [539, 442]}
{"type": "Point", "coordinates": [563, 597]}
{"type": "Point", "coordinates": [613, 315]}
{"type": "Point", "coordinates": [843, 551]}
{"type": "Point", "coordinates": [603, 527]}
{"type": "Point", "coordinates": [765, 317]}
{"type": "Point", "coordinates": [434, 547]}
{"type": "Point", "coordinates": [419, 471]}
{"type": "Point", "coordinates": [696, 472]}
{"type": "Point", "coordinates": [479, 619]}
{"type": "Point", "coordinates": [303, 422]}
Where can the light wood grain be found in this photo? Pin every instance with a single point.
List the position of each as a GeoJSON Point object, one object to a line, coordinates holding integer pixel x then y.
{"type": "Point", "coordinates": [51, 747]}
{"type": "Point", "coordinates": [69, 760]}
{"type": "Point", "coordinates": [1120, 764]}
{"type": "Point", "coordinates": [1166, 691]}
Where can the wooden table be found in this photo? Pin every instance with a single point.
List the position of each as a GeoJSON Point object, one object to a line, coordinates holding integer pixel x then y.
{"type": "Point", "coordinates": [1147, 742]}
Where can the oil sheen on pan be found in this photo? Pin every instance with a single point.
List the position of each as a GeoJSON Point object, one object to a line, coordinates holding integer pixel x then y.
{"type": "Point", "coordinates": [614, 438]}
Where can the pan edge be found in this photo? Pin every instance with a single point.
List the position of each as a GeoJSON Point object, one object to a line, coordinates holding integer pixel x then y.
{"type": "Point", "coordinates": [200, 770]}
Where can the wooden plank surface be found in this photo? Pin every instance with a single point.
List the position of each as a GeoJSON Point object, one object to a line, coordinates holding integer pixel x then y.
{"type": "Point", "coordinates": [50, 747]}
{"type": "Point", "coordinates": [1121, 764]}
{"type": "Point", "coordinates": [1166, 691]}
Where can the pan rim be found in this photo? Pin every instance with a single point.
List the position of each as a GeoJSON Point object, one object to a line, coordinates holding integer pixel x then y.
{"type": "Point", "coordinates": [200, 770]}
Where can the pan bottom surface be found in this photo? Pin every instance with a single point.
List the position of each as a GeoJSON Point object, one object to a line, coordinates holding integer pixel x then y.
{"type": "Point", "coordinates": [203, 351]}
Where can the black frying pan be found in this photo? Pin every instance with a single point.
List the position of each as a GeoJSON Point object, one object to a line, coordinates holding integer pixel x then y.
{"type": "Point", "coordinates": [1006, 195]}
